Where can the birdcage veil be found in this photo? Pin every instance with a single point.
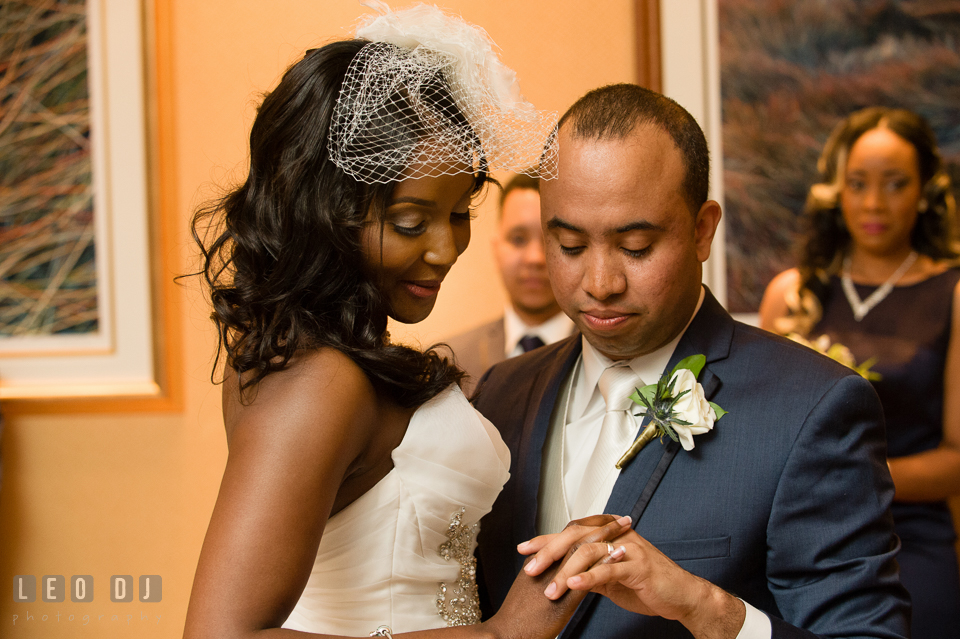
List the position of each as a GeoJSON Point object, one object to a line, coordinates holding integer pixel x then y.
{"type": "Point", "coordinates": [428, 97]}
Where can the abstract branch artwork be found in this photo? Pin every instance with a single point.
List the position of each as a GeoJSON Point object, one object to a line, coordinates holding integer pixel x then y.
{"type": "Point", "coordinates": [48, 276]}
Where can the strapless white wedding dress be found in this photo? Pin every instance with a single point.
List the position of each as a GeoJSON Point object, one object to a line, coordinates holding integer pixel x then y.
{"type": "Point", "coordinates": [402, 554]}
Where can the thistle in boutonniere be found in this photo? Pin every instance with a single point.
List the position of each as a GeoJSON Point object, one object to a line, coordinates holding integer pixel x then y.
{"type": "Point", "coordinates": [676, 407]}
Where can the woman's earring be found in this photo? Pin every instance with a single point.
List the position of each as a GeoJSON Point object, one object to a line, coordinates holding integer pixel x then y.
{"type": "Point", "coordinates": [922, 205]}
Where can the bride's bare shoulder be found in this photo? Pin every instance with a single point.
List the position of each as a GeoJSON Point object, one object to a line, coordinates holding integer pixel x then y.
{"type": "Point", "coordinates": [318, 386]}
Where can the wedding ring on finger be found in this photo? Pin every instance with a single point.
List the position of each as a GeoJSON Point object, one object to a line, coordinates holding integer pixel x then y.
{"type": "Point", "coordinates": [615, 554]}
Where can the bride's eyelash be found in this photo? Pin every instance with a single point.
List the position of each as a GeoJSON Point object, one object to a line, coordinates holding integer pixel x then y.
{"type": "Point", "coordinates": [465, 216]}
{"type": "Point", "coordinates": [410, 231]}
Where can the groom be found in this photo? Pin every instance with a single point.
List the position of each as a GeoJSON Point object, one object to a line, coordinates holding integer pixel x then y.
{"type": "Point", "coordinates": [782, 508]}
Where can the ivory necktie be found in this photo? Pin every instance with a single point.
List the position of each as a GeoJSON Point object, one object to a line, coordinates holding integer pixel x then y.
{"type": "Point", "coordinates": [617, 432]}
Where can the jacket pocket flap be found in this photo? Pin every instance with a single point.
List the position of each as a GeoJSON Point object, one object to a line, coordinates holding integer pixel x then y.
{"type": "Point", "coordinates": [688, 549]}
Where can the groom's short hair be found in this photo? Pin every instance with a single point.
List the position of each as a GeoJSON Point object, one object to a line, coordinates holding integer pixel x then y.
{"type": "Point", "coordinates": [614, 111]}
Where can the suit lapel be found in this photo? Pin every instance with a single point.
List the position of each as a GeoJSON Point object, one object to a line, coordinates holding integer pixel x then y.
{"type": "Point", "coordinates": [710, 333]}
{"type": "Point", "coordinates": [544, 396]}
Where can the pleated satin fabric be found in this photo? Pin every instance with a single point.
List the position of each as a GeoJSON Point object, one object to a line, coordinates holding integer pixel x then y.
{"type": "Point", "coordinates": [379, 561]}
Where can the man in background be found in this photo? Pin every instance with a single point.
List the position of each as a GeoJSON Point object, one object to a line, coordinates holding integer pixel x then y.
{"type": "Point", "coordinates": [532, 318]}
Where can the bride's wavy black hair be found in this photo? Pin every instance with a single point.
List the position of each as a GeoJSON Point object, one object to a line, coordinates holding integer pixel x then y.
{"type": "Point", "coordinates": [282, 254]}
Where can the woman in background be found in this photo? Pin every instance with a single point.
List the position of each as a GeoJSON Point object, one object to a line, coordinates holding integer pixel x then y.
{"type": "Point", "coordinates": [878, 275]}
{"type": "Point", "coordinates": [357, 471]}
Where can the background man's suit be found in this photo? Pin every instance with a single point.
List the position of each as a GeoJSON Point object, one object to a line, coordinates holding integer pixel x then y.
{"type": "Point", "coordinates": [784, 504]}
{"type": "Point", "coordinates": [477, 350]}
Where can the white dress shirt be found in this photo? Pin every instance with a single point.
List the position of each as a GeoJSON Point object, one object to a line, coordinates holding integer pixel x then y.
{"type": "Point", "coordinates": [514, 329]}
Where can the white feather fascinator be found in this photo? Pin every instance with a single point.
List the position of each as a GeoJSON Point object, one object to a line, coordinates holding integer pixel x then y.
{"type": "Point", "coordinates": [428, 97]}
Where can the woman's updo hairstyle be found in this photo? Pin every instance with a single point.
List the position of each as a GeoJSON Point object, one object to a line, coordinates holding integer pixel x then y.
{"type": "Point", "coordinates": [282, 253]}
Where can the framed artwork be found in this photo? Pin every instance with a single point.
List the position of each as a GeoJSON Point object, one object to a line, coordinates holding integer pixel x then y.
{"type": "Point", "coordinates": [649, 67]}
{"type": "Point", "coordinates": [770, 80]}
{"type": "Point", "coordinates": [80, 302]}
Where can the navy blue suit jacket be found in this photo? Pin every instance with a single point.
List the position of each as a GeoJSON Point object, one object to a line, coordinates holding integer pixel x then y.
{"type": "Point", "coordinates": [785, 504]}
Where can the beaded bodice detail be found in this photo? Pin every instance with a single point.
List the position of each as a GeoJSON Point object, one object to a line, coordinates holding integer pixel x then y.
{"type": "Point", "coordinates": [459, 603]}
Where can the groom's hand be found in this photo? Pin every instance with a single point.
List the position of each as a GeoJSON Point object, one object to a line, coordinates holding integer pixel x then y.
{"type": "Point", "coordinates": [638, 577]}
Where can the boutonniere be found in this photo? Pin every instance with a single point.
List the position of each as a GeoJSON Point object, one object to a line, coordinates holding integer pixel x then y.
{"type": "Point", "coordinates": [676, 408]}
{"type": "Point", "coordinates": [839, 353]}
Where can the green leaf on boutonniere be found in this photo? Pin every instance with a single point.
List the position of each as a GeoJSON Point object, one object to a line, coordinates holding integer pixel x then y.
{"type": "Point", "coordinates": [719, 411]}
{"type": "Point", "coordinates": [649, 392]}
{"type": "Point", "coordinates": [694, 364]}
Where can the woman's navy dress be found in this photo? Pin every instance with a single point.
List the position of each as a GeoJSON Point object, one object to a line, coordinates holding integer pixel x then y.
{"type": "Point", "coordinates": [908, 334]}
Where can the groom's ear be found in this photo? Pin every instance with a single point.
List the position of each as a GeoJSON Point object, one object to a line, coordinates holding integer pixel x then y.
{"type": "Point", "coordinates": [705, 227]}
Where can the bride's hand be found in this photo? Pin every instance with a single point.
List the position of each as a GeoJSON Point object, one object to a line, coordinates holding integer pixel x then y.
{"type": "Point", "coordinates": [527, 613]}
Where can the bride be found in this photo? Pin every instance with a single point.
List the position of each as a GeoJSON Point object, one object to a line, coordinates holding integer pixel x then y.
{"type": "Point", "coordinates": [357, 471]}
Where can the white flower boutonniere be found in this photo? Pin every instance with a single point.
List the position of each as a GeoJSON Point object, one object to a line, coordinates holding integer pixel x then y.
{"type": "Point", "coordinates": [676, 407]}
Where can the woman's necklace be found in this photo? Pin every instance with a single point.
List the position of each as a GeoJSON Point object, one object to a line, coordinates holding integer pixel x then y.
{"type": "Point", "coordinates": [860, 309]}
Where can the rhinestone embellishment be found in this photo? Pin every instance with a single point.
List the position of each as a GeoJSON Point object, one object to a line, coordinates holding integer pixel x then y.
{"type": "Point", "coordinates": [459, 604]}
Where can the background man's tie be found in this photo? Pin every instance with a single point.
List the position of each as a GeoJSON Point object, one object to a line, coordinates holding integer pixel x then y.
{"type": "Point", "coordinates": [530, 342]}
